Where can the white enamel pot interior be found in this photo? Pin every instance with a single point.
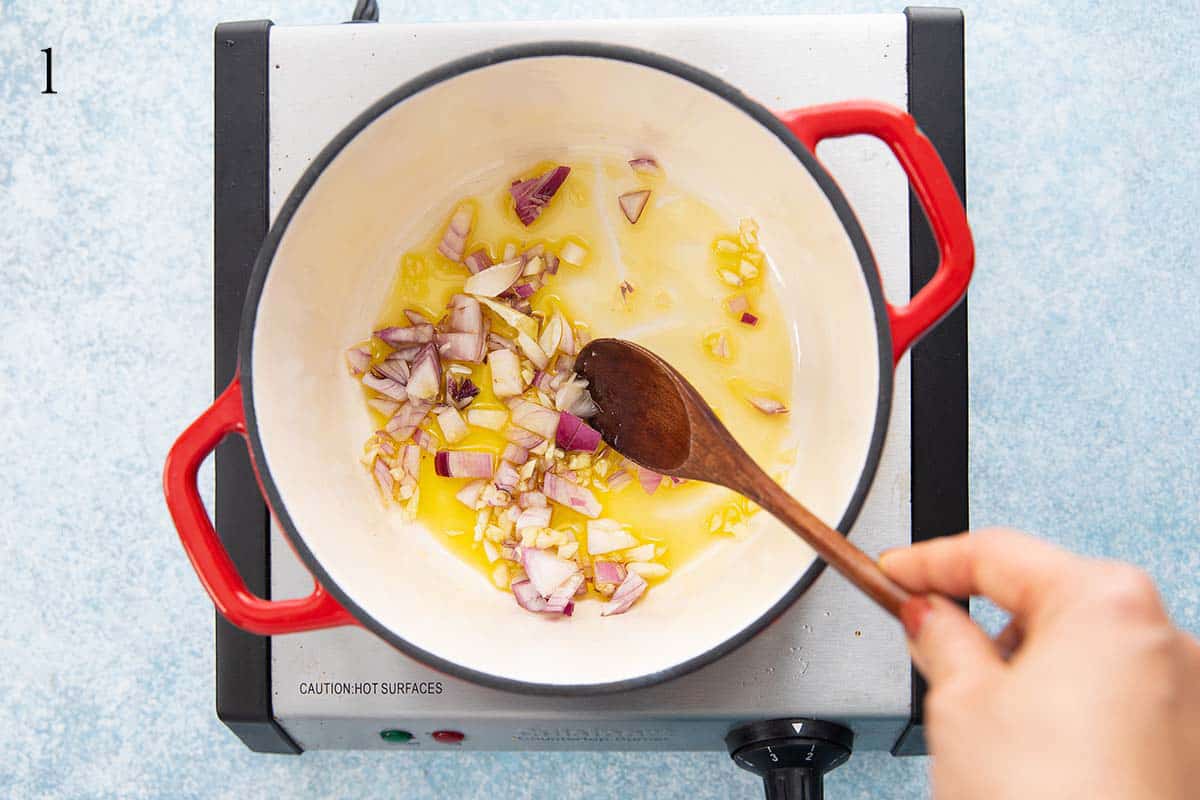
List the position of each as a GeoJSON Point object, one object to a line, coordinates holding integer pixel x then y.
{"type": "Point", "coordinates": [388, 180]}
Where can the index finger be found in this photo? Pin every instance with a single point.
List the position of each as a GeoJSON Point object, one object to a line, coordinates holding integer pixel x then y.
{"type": "Point", "coordinates": [1015, 570]}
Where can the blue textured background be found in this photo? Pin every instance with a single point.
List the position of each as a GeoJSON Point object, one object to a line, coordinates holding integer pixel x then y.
{"type": "Point", "coordinates": [1082, 119]}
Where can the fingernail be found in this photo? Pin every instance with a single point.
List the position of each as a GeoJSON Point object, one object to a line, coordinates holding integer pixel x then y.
{"type": "Point", "coordinates": [884, 555]}
{"type": "Point", "coordinates": [913, 613]}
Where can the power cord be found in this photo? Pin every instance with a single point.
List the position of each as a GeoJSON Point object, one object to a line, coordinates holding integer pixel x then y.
{"type": "Point", "coordinates": [365, 11]}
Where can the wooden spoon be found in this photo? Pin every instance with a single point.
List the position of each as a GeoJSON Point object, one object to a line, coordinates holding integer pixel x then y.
{"type": "Point", "coordinates": [654, 417]}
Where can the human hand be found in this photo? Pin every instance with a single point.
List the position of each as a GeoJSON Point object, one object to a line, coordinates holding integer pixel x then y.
{"type": "Point", "coordinates": [1100, 699]}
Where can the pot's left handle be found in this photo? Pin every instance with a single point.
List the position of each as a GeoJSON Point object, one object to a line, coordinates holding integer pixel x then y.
{"type": "Point", "coordinates": [208, 556]}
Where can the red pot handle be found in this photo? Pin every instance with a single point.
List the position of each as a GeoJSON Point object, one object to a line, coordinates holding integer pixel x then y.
{"type": "Point", "coordinates": [934, 189]}
{"type": "Point", "coordinates": [208, 556]}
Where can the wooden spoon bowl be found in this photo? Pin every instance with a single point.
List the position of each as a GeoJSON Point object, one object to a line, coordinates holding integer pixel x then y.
{"type": "Point", "coordinates": [655, 418]}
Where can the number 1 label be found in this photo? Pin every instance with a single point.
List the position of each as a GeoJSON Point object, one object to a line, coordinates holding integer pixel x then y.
{"type": "Point", "coordinates": [49, 51]}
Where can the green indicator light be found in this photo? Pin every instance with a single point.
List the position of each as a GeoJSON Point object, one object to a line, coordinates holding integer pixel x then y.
{"type": "Point", "coordinates": [395, 736]}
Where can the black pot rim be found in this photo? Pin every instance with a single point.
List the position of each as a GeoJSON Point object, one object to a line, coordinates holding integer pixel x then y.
{"type": "Point", "coordinates": [481, 60]}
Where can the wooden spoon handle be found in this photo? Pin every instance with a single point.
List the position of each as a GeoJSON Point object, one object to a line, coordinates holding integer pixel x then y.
{"type": "Point", "coordinates": [833, 547]}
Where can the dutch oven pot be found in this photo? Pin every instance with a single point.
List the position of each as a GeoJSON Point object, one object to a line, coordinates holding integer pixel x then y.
{"type": "Point", "coordinates": [383, 183]}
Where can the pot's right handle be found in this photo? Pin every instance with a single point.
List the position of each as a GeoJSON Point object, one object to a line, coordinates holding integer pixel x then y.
{"type": "Point", "coordinates": [212, 563]}
{"type": "Point", "coordinates": [933, 188]}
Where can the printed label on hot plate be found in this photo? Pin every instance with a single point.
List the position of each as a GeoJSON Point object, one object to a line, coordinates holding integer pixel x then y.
{"type": "Point", "coordinates": [361, 688]}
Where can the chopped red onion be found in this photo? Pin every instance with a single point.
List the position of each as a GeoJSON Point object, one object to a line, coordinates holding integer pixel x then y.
{"type": "Point", "coordinates": [383, 405]}
{"type": "Point", "coordinates": [633, 587]}
{"type": "Point", "coordinates": [413, 334]}
{"type": "Point", "coordinates": [395, 368]}
{"type": "Point", "coordinates": [768, 405]}
{"type": "Point", "coordinates": [452, 424]}
{"type": "Point", "coordinates": [560, 598]}
{"type": "Point", "coordinates": [551, 264]}
{"type": "Point", "coordinates": [531, 196]}
{"type": "Point", "coordinates": [515, 454]}
{"type": "Point", "coordinates": [469, 347]}
{"type": "Point", "coordinates": [461, 391]}
{"type": "Point", "coordinates": [454, 240]}
{"type": "Point", "coordinates": [462, 464]}
{"type": "Point", "coordinates": [383, 477]}
{"type": "Point", "coordinates": [644, 165]}
{"type": "Point", "coordinates": [405, 352]}
{"type": "Point", "coordinates": [527, 596]}
{"type": "Point", "coordinates": [536, 517]}
{"type": "Point", "coordinates": [426, 379]}
{"type": "Point", "coordinates": [358, 359]}
{"type": "Point", "coordinates": [390, 387]}
{"type": "Point", "coordinates": [406, 420]}
{"type": "Point", "coordinates": [465, 315]}
{"type": "Point", "coordinates": [546, 571]}
{"type": "Point", "coordinates": [608, 572]}
{"type": "Point", "coordinates": [533, 417]}
{"type": "Point", "coordinates": [532, 500]}
{"type": "Point", "coordinates": [385, 443]}
{"type": "Point", "coordinates": [633, 203]}
{"type": "Point", "coordinates": [478, 261]}
{"type": "Point", "coordinates": [506, 477]}
{"type": "Point", "coordinates": [649, 480]}
{"type": "Point", "coordinates": [749, 319]}
{"type": "Point", "coordinates": [541, 380]}
{"type": "Point", "coordinates": [524, 289]}
{"type": "Point", "coordinates": [424, 440]}
{"type": "Point", "coordinates": [469, 494]}
{"type": "Point", "coordinates": [496, 497]}
{"type": "Point", "coordinates": [416, 317]}
{"type": "Point", "coordinates": [570, 495]}
{"type": "Point", "coordinates": [522, 437]}
{"type": "Point", "coordinates": [575, 434]}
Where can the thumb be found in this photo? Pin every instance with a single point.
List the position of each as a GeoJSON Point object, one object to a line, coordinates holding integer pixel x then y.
{"type": "Point", "coordinates": [943, 640]}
